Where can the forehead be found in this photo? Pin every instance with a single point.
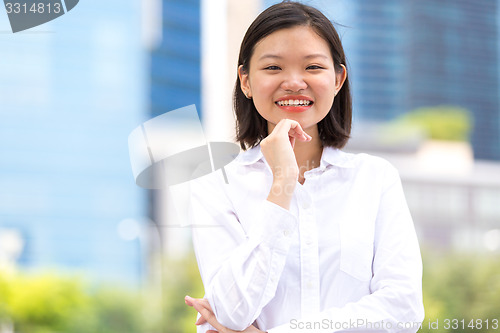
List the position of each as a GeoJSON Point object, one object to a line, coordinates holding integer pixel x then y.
{"type": "Point", "coordinates": [295, 42]}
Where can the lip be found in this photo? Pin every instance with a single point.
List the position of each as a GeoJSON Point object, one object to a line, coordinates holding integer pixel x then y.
{"type": "Point", "coordinates": [295, 109]}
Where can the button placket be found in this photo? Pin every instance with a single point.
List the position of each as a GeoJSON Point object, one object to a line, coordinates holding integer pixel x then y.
{"type": "Point", "coordinates": [309, 255]}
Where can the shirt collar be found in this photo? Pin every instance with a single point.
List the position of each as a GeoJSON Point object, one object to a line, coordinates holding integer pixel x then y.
{"type": "Point", "coordinates": [336, 157]}
{"type": "Point", "coordinates": [330, 156]}
{"type": "Point", "coordinates": [250, 156]}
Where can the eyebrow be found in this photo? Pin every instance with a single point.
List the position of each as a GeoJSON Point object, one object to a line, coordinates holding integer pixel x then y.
{"type": "Point", "coordinates": [275, 56]}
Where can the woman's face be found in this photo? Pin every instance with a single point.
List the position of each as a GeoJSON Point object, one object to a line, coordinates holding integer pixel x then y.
{"type": "Point", "coordinates": [292, 76]}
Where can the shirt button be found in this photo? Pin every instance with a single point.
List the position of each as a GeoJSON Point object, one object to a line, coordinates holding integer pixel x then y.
{"type": "Point", "coordinates": [286, 232]}
{"type": "Point", "coordinates": [306, 204]}
{"type": "Point", "coordinates": [309, 285]}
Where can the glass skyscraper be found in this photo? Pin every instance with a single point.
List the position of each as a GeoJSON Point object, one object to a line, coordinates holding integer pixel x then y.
{"type": "Point", "coordinates": [71, 91]}
{"type": "Point", "coordinates": [409, 54]}
{"type": "Point", "coordinates": [453, 59]}
{"type": "Point", "coordinates": [176, 62]}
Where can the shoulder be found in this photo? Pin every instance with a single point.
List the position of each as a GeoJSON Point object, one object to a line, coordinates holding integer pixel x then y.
{"type": "Point", "coordinates": [368, 168]}
{"type": "Point", "coordinates": [372, 161]}
{"type": "Point", "coordinates": [364, 161]}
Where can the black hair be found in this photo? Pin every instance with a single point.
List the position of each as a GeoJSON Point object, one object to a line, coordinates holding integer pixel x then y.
{"type": "Point", "coordinates": [334, 130]}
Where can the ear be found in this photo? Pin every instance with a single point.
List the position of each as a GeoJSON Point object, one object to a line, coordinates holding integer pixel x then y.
{"type": "Point", "coordinates": [244, 82]}
{"type": "Point", "coordinates": [340, 78]}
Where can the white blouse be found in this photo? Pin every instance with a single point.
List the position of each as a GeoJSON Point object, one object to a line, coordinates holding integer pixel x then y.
{"type": "Point", "coordinates": [345, 257]}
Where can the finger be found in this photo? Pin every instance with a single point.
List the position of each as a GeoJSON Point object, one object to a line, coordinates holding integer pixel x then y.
{"type": "Point", "coordinates": [294, 129]}
{"type": "Point", "coordinates": [302, 136]}
{"type": "Point", "coordinates": [212, 331]}
{"type": "Point", "coordinates": [188, 300]}
{"type": "Point", "coordinates": [191, 301]}
{"type": "Point", "coordinates": [202, 309]}
{"type": "Point", "coordinates": [299, 133]}
{"type": "Point", "coordinates": [200, 321]}
{"type": "Point", "coordinates": [208, 315]}
{"type": "Point", "coordinates": [205, 303]}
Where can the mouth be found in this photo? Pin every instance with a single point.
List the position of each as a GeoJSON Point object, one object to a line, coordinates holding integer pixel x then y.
{"type": "Point", "coordinates": [294, 103]}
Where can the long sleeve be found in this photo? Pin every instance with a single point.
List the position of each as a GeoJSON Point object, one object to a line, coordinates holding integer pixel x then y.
{"type": "Point", "coordinates": [240, 268]}
{"type": "Point", "coordinates": [395, 300]}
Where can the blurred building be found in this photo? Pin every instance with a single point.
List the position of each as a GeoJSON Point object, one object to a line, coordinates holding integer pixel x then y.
{"type": "Point", "coordinates": [175, 82]}
{"type": "Point", "coordinates": [402, 55]}
{"type": "Point", "coordinates": [453, 58]}
{"type": "Point", "coordinates": [71, 91]}
{"type": "Point", "coordinates": [195, 63]}
{"type": "Point", "coordinates": [176, 60]}
{"type": "Point", "coordinates": [408, 54]}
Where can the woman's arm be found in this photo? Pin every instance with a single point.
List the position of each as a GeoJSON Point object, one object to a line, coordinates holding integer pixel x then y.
{"type": "Point", "coordinates": [207, 315]}
{"type": "Point", "coordinates": [277, 148]}
{"type": "Point", "coordinates": [240, 268]}
{"type": "Point", "coordinates": [395, 303]}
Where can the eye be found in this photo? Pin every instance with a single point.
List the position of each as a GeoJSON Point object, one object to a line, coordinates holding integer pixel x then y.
{"type": "Point", "coordinates": [272, 68]}
{"type": "Point", "coordinates": [314, 67]}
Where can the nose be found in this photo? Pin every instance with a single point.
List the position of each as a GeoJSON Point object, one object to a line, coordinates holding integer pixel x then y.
{"type": "Point", "coordinates": [293, 81]}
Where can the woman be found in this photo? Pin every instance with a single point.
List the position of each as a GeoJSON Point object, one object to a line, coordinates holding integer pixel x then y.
{"type": "Point", "coordinates": [304, 237]}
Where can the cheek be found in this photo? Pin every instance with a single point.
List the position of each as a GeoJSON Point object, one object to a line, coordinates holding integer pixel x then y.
{"type": "Point", "coordinates": [263, 92]}
{"type": "Point", "coordinates": [326, 84]}
{"type": "Point", "coordinates": [326, 89]}
{"type": "Point", "coordinates": [262, 87]}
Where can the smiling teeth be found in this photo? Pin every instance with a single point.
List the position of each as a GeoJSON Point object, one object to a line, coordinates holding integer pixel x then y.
{"type": "Point", "coordinates": [292, 102]}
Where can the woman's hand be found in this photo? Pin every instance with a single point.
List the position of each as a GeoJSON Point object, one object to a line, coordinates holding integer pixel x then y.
{"type": "Point", "coordinates": [277, 148]}
{"type": "Point", "coordinates": [207, 315]}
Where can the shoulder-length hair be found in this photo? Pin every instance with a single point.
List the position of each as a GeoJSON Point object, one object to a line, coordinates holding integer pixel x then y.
{"type": "Point", "coordinates": [251, 127]}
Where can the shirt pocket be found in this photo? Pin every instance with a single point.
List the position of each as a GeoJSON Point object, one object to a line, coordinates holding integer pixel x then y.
{"type": "Point", "coordinates": [356, 258]}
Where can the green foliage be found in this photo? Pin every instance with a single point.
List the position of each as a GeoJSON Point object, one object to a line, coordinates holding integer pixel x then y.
{"type": "Point", "coordinates": [55, 303]}
{"type": "Point", "coordinates": [460, 286]}
{"type": "Point", "coordinates": [48, 303]}
{"type": "Point", "coordinates": [456, 286]}
{"type": "Point", "coordinates": [439, 122]}
{"type": "Point", "coordinates": [181, 278]}
{"type": "Point", "coordinates": [116, 310]}
{"type": "Point", "coordinates": [4, 294]}
{"type": "Point", "coordinates": [45, 302]}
